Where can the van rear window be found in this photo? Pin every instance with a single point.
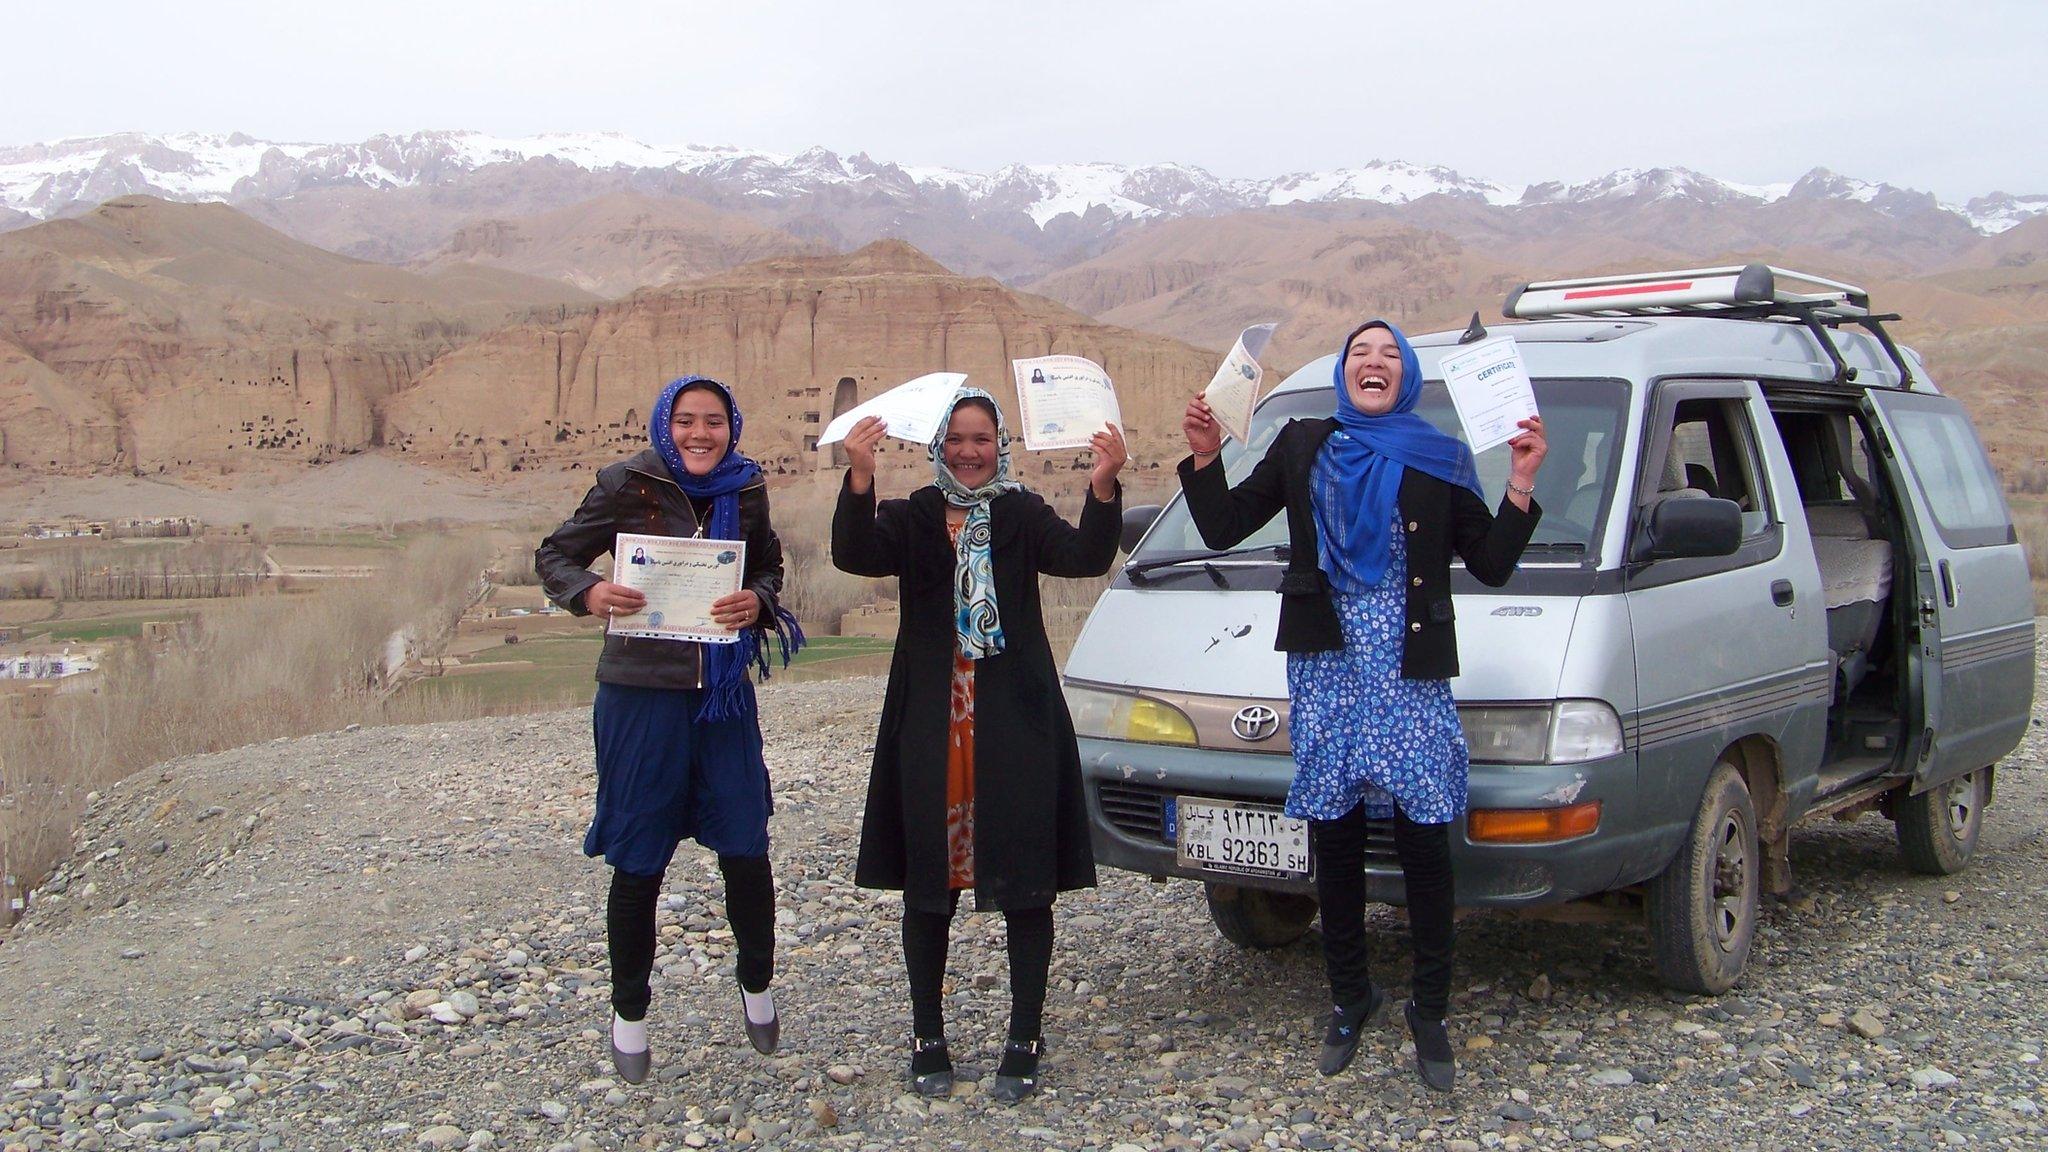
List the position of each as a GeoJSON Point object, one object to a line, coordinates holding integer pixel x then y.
{"type": "Point", "coordinates": [1962, 491]}
{"type": "Point", "coordinates": [1584, 420]}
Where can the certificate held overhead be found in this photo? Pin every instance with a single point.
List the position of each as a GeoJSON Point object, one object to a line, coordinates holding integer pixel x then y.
{"type": "Point", "coordinates": [1063, 401]}
{"type": "Point", "coordinates": [1234, 391]}
{"type": "Point", "coordinates": [1491, 390]}
{"type": "Point", "coordinates": [911, 409]}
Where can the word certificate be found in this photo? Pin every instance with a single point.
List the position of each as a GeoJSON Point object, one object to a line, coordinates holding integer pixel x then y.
{"type": "Point", "coordinates": [911, 409]}
{"type": "Point", "coordinates": [681, 576]}
{"type": "Point", "coordinates": [1234, 391]}
{"type": "Point", "coordinates": [1062, 401]}
{"type": "Point", "coordinates": [1490, 388]}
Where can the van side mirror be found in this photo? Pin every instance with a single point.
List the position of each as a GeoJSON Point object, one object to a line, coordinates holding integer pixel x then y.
{"type": "Point", "coordinates": [1686, 528]}
{"type": "Point", "coordinates": [1138, 521]}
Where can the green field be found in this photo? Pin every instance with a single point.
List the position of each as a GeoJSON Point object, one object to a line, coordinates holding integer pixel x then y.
{"type": "Point", "coordinates": [97, 628]}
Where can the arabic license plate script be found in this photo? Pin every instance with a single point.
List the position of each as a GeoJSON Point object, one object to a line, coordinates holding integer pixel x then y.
{"type": "Point", "coordinates": [1240, 839]}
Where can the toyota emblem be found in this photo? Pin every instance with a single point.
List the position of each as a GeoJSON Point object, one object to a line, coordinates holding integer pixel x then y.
{"type": "Point", "coordinates": [1255, 722]}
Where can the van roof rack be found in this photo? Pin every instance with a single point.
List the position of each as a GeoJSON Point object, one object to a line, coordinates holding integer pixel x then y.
{"type": "Point", "coordinates": [1736, 292]}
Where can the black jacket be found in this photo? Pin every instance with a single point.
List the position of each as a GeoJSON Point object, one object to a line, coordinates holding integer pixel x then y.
{"type": "Point", "coordinates": [1031, 818]}
{"type": "Point", "coordinates": [1439, 518]}
{"type": "Point", "coordinates": [639, 496]}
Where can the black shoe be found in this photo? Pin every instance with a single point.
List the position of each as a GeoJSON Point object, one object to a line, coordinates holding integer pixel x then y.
{"type": "Point", "coordinates": [1434, 1060]}
{"type": "Point", "coordinates": [764, 1037]}
{"type": "Point", "coordinates": [1017, 1075]}
{"type": "Point", "coordinates": [931, 1067]}
{"type": "Point", "coordinates": [1347, 1028]}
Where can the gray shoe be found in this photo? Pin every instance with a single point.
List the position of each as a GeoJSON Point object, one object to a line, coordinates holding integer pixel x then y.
{"type": "Point", "coordinates": [632, 1066]}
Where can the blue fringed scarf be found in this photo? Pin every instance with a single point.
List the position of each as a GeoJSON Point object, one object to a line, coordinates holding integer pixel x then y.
{"type": "Point", "coordinates": [725, 665]}
{"type": "Point", "coordinates": [1358, 486]}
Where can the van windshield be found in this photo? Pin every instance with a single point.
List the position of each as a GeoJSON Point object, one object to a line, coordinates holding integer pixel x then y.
{"type": "Point", "coordinates": [1584, 420]}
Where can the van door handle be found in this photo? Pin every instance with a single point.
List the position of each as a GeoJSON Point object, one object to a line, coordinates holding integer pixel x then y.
{"type": "Point", "coordinates": [1781, 593]}
{"type": "Point", "coordinates": [1948, 585]}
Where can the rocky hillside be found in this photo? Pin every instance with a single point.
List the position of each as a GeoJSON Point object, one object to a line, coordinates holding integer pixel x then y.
{"type": "Point", "coordinates": [146, 335]}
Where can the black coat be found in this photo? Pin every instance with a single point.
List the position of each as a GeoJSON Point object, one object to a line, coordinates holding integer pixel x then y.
{"type": "Point", "coordinates": [638, 495]}
{"type": "Point", "coordinates": [1439, 518]}
{"type": "Point", "coordinates": [1030, 817]}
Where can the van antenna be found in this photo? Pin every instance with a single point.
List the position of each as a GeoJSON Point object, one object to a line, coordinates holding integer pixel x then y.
{"type": "Point", "coordinates": [1474, 332]}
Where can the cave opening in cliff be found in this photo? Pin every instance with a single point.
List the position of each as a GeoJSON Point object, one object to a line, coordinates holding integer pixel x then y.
{"type": "Point", "coordinates": [845, 396]}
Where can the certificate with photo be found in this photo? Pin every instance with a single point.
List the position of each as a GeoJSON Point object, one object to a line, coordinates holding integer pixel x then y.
{"type": "Point", "coordinates": [1062, 401]}
{"type": "Point", "coordinates": [681, 576]}
{"type": "Point", "coordinates": [1491, 390]}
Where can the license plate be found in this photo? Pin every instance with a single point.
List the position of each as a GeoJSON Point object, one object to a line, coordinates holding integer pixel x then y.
{"type": "Point", "coordinates": [1240, 839]}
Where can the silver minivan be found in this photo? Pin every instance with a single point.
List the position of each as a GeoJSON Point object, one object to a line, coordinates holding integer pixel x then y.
{"type": "Point", "coordinates": [1775, 579]}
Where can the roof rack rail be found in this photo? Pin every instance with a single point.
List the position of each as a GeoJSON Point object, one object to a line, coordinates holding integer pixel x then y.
{"type": "Point", "coordinates": [1736, 292]}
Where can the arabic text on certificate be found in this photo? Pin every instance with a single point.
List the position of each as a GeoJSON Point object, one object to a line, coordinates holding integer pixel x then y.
{"type": "Point", "coordinates": [1062, 401]}
{"type": "Point", "coordinates": [681, 576]}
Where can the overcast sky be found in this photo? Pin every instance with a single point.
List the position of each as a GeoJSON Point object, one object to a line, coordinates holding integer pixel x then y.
{"type": "Point", "coordinates": [1947, 98]}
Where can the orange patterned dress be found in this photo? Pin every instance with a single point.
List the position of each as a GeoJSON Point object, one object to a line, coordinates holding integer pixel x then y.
{"type": "Point", "coordinates": [960, 767]}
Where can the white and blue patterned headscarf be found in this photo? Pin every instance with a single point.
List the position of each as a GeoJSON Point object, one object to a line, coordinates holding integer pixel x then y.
{"type": "Point", "coordinates": [975, 619]}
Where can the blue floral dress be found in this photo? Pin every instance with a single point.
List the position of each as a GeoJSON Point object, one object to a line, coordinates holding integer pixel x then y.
{"type": "Point", "coordinates": [1362, 733]}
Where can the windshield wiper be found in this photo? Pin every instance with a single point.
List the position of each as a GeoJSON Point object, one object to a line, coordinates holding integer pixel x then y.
{"type": "Point", "coordinates": [1138, 572]}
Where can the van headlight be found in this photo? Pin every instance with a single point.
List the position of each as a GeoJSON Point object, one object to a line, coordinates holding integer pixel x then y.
{"type": "Point", "coordinates": [1119, 716]}
{"type": "Point", "coordinates": [1567, 732]}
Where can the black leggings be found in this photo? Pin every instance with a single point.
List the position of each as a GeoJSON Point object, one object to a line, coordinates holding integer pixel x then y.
{"type": "Point", "coordinates": [925, 939]}
{"type": "Point", "coordinates": [1425, 854]}
{"type": "Point", "coordinates": [629, 929]}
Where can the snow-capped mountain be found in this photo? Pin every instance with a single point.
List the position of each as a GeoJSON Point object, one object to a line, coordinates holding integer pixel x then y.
{"type": "Point", "coordinates": [45, 179]}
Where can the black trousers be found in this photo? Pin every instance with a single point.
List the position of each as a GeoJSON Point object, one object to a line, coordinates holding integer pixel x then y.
{"type": "Point", "coordinates": [629, 929]}
{"type": "Point", "coordinates": [1425, 853]}
{"type": "Point", "coordinates": [926, 937]}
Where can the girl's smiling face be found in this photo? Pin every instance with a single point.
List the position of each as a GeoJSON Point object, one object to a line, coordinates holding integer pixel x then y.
{"type": "Point", "coordinates": [1372, 371]}
{"type": "Point", "coordinates": [971, 449]}
{"type": "Point", "coordinates": [701, 428]}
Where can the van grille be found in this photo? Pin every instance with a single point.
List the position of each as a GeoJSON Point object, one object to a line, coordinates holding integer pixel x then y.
{"type": "Point", "coordinates": [1140, 811]}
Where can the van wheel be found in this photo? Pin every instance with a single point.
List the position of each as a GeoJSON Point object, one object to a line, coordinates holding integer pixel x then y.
{"type": "Point", "coordinates": [1938, 828]}
{"type": "Point", "coordinates": [1258, 917]}
{"type": "Point", "coordinates": [1703, 908]}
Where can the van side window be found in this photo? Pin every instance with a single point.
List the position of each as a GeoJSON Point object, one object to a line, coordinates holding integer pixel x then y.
{"type": "Point", "coordinates": [1962, 492]}
{"type": "Point", "coordinates": [1713, 453]}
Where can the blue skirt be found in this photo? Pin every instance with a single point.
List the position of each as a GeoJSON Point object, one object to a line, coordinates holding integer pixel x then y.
{"type": "Point", "coordinates": [664, 776]}
{"type": "Point", "coordinates": [1364, 734]}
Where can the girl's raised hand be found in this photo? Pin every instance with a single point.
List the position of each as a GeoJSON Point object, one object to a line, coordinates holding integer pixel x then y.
{"type": "Point", "coordinates": [1111, 454]}
{"type": "Point", "coordinates": [860, 444]}
{"type": "Point", "coordinates": [1205, 435]}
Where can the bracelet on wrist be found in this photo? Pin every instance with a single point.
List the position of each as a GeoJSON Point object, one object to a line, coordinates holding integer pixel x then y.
{"type": "Point", "coordinates": [1518, 490]}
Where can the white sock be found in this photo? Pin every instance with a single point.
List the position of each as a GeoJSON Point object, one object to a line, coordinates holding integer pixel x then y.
{"type": "Point", "coordinates": [760, 1006]}
{"type": "Point", "coordinates": [629, 1036]}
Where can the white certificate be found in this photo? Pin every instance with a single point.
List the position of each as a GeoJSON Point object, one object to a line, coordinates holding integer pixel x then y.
{"type": "Point", "coordinates": [1490, 388]}
{"type": "Point", "coordinates": [1062, 401]}
{"type": "Point", "coordinates": [911, 409]}
{"type": "Point", "coordinates": [680, 576]}
{"type": "Point", "coordinates": [1234, 391]}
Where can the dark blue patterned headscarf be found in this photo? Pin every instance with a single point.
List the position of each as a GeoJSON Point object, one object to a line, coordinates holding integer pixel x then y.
{"type": "Point", "coordinates": [1358, 488]}
{"type": "Point", "coordinates": [725, 665]}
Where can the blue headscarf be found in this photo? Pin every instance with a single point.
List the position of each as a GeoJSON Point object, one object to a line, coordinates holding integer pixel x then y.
{"type": "Point", "coordinates": [725, 665]}
{"type": "Point", "coordinates": [1357, 483]}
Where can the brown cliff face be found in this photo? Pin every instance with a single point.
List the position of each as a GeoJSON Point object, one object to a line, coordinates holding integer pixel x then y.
{"type": "Point", "coordinates": [149, 336]}
{"type": "Point", "coordinates": [791, 336]}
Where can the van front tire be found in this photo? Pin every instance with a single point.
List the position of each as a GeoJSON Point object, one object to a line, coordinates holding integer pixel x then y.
{"type": "Point", "coordinates": [1257, 917]}
{"type": "Point", "coordinates": [1703, 908]}
{"type": "Point", "coordinates": [1938, 829]}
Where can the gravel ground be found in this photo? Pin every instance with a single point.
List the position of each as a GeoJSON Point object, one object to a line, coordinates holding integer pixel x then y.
{"type": "Point", "coordinates": [388, 938]}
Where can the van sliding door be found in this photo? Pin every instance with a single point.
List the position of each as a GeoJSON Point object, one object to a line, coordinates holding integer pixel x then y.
{"type": "Point", "coordinates": [1973, 608]}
